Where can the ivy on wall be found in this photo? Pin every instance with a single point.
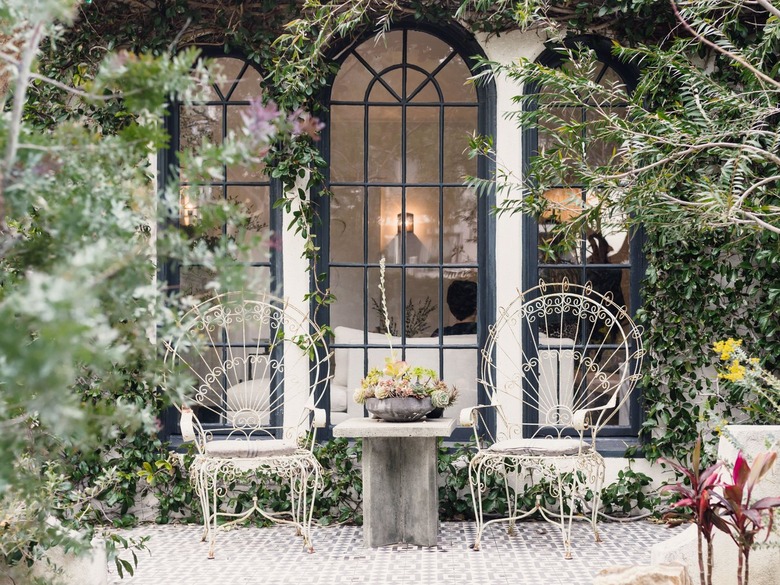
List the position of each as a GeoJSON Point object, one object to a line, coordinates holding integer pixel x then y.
{"type": "Point", "coordinates": [703, 286]}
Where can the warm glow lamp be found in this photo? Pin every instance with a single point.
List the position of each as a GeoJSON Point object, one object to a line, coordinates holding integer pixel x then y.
{"type": "Point", "coordinates": [409, 222]}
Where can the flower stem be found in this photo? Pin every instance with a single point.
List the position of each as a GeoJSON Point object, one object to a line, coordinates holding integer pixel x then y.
{"type": "Point", "coordinates": [385, 313]}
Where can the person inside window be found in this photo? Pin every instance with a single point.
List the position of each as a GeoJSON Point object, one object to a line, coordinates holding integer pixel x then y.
{"type": "Point", "coordinates": [462, 301]}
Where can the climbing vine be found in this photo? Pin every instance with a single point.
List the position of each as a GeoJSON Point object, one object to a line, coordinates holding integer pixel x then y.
{"type": "Point", "coordinates": [701, 287]}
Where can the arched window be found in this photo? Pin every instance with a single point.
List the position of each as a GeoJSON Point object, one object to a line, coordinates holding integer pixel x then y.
{"type": "Point", "coordinates": [211, 120]}
{"type": "Point", "coordinates": [607, 255]}
{"type": "Point", "coordinates": [401, 112]}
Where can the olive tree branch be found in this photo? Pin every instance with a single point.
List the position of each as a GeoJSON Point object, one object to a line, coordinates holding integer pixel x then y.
{"type": "Point", "coordinates": [78, 92]}
{"type": "Point", "coordinates": [758, 221]}
{"type": "Point", "coordinates": [14, 127]}
{"type": "Point", "coordinates": [691, 150]}
{"type": "Point", "coordinates": [759, 74]}
{"type": "Point", "coordinates": [754, 186]}
{"type": "Point", "coordinates": [769, 7]}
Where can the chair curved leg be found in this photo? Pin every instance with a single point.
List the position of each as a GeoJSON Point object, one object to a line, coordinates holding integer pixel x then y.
{"type": "Point", "coordinates": [476, 486]}
{"type": "Point", "coordinates": [201, 482]}
{"type": "Point", "coordinates": [304, 487]}
{"type": "Point", "coordinates": [297, 498]}
{"type": "Point", "coordinates": [201, 491]}
{"type": "Point", "coordinates": [311, 484]}
{"type": "Point", "coordinates": [213, 526]}
{"type": "Point", "coordinates": [598, 484]}
{"type": "Point", "coordinates": [511, 503]}
{"type": "Point", "coordinates": [563, 494]}
{"type": "Point", "coordinates": [566, 518]}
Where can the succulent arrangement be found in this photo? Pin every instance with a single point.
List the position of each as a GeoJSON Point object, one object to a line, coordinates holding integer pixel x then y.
{"type": "Point", "coordinates": [398, 379]}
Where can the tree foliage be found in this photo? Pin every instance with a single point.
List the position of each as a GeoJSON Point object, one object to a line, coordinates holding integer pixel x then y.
{"type": "Point", "coordinates": [83, 230]}
{"type": "Point", "coordinates": [698, 141]}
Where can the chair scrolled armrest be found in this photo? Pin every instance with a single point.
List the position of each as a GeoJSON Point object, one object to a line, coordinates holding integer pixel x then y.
{"type": "Point", "coordinates": [580, 420]}
{"type": "Point", "coordinates": [318, 415]}
{"type": "Point", "coordinates": [470, 414]}
{"type": "Point", "coordinates": [191, 430]}
{"type": "Point", "coordinates": [468, 417]}
{"type": "Point", "coordinates": [320, 418]}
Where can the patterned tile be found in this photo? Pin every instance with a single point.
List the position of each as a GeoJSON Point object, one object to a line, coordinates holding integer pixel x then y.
{"type": "Point", "coordinates": [275, 556]}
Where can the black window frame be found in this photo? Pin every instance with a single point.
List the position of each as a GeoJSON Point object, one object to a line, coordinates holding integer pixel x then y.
{"type": "Point", "coordinates": [168, 169]}
{"type": "Point", "coordinates": [464, 45]}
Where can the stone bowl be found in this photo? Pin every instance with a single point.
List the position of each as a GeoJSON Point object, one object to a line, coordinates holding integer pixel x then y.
{"type": "Point", "coordinates": [399, 409]}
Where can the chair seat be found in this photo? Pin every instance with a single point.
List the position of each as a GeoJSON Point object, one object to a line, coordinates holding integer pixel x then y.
{"type": "Point", "coordinates": [537, 447]}
{"type": "Point", "coordinates": [247, 449]}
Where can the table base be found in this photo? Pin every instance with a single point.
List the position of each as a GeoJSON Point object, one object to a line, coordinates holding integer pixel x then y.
{"type": "Point", "coordinates": [400, 492]}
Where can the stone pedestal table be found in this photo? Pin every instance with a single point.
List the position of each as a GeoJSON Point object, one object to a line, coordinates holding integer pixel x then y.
{"type": "Point", "coordinates": [400, 491]}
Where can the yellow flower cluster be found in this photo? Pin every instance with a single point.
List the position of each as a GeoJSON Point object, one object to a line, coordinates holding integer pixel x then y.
{"type": "Point", "coordinates": [740, 368]}
{"type": "Point", "coordinates": [735, 373]}
{"type": "Point", "coordinates": [720, 427]}
{"type": "Point", "coordinates": [726, 348]}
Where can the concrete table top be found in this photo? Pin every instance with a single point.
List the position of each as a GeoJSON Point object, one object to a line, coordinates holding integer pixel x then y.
{"type": "Point", "coordinates": [372, 427]}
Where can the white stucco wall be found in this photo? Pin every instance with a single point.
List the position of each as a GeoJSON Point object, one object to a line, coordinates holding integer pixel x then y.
{"type": "Point", "coordinates": [294, 266]}
{"type": "Point", "coordinates": [506, 49]}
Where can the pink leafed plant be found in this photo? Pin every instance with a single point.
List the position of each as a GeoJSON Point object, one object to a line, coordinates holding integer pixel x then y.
{"type": "Point", "coordinates": [727, 506]}
{"type": "Point", "coordinates": [698, 496]}
{"type": "Point", "coordinates": [739, 517]}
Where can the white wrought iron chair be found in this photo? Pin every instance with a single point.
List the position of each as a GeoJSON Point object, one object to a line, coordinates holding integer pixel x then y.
{"type": "Point", "coordinates": [254, 365]}
{"type": "Point", "coordinates": [559, 365]}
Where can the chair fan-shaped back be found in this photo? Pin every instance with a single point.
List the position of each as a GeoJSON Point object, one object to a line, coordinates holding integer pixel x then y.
{"type": "Point", "coordinates": [254, 362]}
{"type": "Point", "coordinates": [561, 349]}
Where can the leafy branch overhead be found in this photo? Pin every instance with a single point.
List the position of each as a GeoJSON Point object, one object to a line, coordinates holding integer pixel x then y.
{"type": "Point", "coordinates": [690, 157]}
{"type": "Point", "coordinates": [696, 138]}
{"type": "Point", "coordinates": [698, 148]}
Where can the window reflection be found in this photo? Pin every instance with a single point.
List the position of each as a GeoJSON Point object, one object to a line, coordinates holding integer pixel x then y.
{"type": "Point", "coordinates": [383, 52]}
{"type": "Point", "coordinates": [422, 145]}
{"type": "Point", "coordinates": [346, 234]}
{"type": "Point", "coordinates": [346, 155]}
{"type": "Point", "coordinates": [460, 236]}
{"type": "Point", "coordinates": [427, 51]}
{"type": "Point", "coordinates": [599, 253]}
{"type": "Point", "coordinates": [384, 144]}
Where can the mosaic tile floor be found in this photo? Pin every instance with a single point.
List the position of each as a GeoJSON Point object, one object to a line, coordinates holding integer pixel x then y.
{"type": "Point", "coordinates": [274, 556]}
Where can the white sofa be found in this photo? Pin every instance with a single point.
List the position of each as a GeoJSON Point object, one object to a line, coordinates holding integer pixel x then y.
{"type": "Point", "coordinates": [460, 367]}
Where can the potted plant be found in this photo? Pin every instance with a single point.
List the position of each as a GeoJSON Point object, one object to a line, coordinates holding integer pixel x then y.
{"type": "Point", "coordinates": [400, 392]}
